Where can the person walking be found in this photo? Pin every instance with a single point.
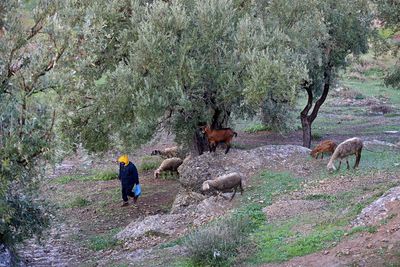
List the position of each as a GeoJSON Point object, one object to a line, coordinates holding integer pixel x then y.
{"type": "Point", "coordinates": [129, 177]}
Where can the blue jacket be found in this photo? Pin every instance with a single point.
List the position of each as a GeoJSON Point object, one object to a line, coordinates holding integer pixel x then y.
{"type": "Point", "coordinates": [128, 174]}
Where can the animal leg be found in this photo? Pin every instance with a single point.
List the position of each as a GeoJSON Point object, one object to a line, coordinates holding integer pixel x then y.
{"type": "Point", "coordinates": [340, 163]}
{"type": "Point", "coordinates": [228, 146]}
{"type": "Point", "coordinates": [234, 193]}
{"type": "Point", "coordinates": [322, 155]}
{"type": "Point", "coordinates": [358, 157]}
{"type": "Point", "coordinates": [241, 188]}
{"type": "Point", "coordinates": [348, 165]}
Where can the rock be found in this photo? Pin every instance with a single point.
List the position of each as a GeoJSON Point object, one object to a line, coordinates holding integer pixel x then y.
{"type": "Point", "coordinates": [5, 256]}
{"type": "Point", "coordinates": [151, 226]}
{"type": "Point", "coordinates": [195, 171]}
{"type": "Point", "coordinates": [184, 199]}
{"type": "Point", "coordinates": [377, 210]}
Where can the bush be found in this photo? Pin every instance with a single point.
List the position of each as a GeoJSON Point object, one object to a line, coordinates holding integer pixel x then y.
{"type": "Point", "coordinates": [218, 244]}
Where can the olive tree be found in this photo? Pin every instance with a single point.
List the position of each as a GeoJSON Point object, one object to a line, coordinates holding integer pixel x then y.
{"type": "Point", "coordinates": [325, 33]}
{"type": "Point", "coordinates": [30, 49]}
{"type": "Point", "coordinates": [388, 13]}
{"type": "Point", "coordinates": [172, 65]}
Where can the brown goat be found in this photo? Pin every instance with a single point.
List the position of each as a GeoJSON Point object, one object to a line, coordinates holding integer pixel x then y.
{"type": "Point", "coordinates": [324, 146]}
{"type": "Point", "coordinates": [215, 137]}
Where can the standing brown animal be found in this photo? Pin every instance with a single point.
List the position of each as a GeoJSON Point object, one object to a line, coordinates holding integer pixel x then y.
{"type": "Point", "coordinates": [324, 146]}
{"type": "Point", "coordinates": [215, 137]}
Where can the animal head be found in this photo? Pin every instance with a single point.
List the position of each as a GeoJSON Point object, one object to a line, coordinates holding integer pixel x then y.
{"type": "Point", "coordinates": [331, 167]}
{"type": "Point", "coordinates": [313, 153]}
{"type": "Point", "coordinates": [155, 152]}
{"type": "Point", "coordinates": [156, 173]}
{"type": "Point", "coordinates": [205, 129]}
{"type": "Point", "coordinates": [205, 186]}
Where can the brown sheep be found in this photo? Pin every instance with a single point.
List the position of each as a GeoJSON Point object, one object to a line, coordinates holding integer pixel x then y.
{"type": "Point", "coordinates": [324, 146]}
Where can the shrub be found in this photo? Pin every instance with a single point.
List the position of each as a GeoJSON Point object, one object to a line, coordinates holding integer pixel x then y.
{"type": "Point", "coordinates": [218, 243]}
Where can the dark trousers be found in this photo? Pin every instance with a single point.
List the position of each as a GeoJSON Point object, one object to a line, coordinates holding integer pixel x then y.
{"type": "Point", "coordinates": [127, 191]}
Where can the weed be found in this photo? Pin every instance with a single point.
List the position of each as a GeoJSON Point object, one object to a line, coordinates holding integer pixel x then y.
{"type": "Point", "coordinates": [217, 244]}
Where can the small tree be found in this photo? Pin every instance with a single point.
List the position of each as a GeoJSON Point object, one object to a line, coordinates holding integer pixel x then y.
{"type": "Point", "coordinates": [325, 32]}
{"type": "Point", "coordinates": [28, 54]}
{"type": "Point", "coordinates": [388, 12]}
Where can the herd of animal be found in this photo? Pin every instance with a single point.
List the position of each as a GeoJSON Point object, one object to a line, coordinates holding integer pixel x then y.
{"type": "Point", "coordinates": [227, 182]}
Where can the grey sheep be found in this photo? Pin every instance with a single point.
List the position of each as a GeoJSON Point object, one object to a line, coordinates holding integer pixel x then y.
{"type": "Point", "coordinates": [168, 152]}
{"type": "Point", "coordinates": [352, 146]}
{"type": "Point", "coordinates": [170, 164]}
{"type": "Point", "coordinates": [225, 183]}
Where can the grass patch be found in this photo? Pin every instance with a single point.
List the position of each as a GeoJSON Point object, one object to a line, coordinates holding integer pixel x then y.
{"type": "Point", "coordinates": [103, 176]}
{"type": "Point", "coordinates": [278, 242]}
{"type": "Point", "coordinates": [391, 115]}
{"type": "Point", "coordinates": [104, 241]}
{"type": "Point", "coordinates": [78, 202]}
{"type": "Point", "coordinates": [257, 128]}
{"type": "Point", "coordinates": [106, 175]}
{"type": "Point", "coordinates": [150, 163]}
{"type": "Point", "coordinates": [67, 179]}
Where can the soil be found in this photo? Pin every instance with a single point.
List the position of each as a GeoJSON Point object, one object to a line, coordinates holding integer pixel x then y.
{"type": "Point", "coordinates": [67, 242]}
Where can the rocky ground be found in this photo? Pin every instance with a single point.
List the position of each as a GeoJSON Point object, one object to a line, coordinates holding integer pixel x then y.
{"type": "Point", "coordinates": [169, 208]}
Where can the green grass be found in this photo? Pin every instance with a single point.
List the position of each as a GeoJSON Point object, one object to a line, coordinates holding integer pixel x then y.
{"type": "Point", "coordinates": [103, 241]}
{"type": "Point", "coordinates": [256, 128]}
{"type": "Point", "coordinates": [374, 88]}
{"type": "Point", "coordinates": [78, 202]}
{"type": "Point", "coordinates": [280, 242]}
{"type": "Point", "coordinates": [106, 175]}
{"type": "Point", "coordinates": [150, 163]}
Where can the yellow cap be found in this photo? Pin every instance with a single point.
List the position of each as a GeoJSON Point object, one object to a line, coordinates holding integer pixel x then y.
{"type": "Point", "coordinates": [124, 159]}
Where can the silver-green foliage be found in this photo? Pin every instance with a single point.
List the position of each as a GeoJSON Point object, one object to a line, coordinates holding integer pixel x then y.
{"type": "Point", "coordinates": [30, 47]}
{"type": "Point", "coordinates": [174, 65]}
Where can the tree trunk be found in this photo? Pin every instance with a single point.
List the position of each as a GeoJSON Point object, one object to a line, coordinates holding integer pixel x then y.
{"type": "Point", "coordinates": [307, 120]}
{"type": "Point", "coordinates": [306, 126]}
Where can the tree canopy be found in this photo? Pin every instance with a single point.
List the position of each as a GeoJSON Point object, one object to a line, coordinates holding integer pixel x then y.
{"type": "Point", "coordinates": [174, 64]}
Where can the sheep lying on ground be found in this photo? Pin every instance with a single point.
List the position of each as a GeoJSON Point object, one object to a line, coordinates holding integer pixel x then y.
{"type": "Point", "coordinates": [352, 146]}
{"type": "Point", "coordinates": [225, 183]}
{"type": "Point", "coordinates": [168, 152]}
{"type": "Point", "coordinates": [170, 164]}
{"type": "Point", "coordinates": [324, 146]}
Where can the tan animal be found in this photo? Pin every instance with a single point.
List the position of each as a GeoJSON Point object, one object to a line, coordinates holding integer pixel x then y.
{"type": "Point", "coordinates": [225, 183]}
{"type": "Point", "coordinates": [170, 164]}
{"type": "Point", "coordinates": [352, 146]}
{"type": "Point", "coordinates": [324, 146]}
{"type": "Point", "coordinates": [166, 153]}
